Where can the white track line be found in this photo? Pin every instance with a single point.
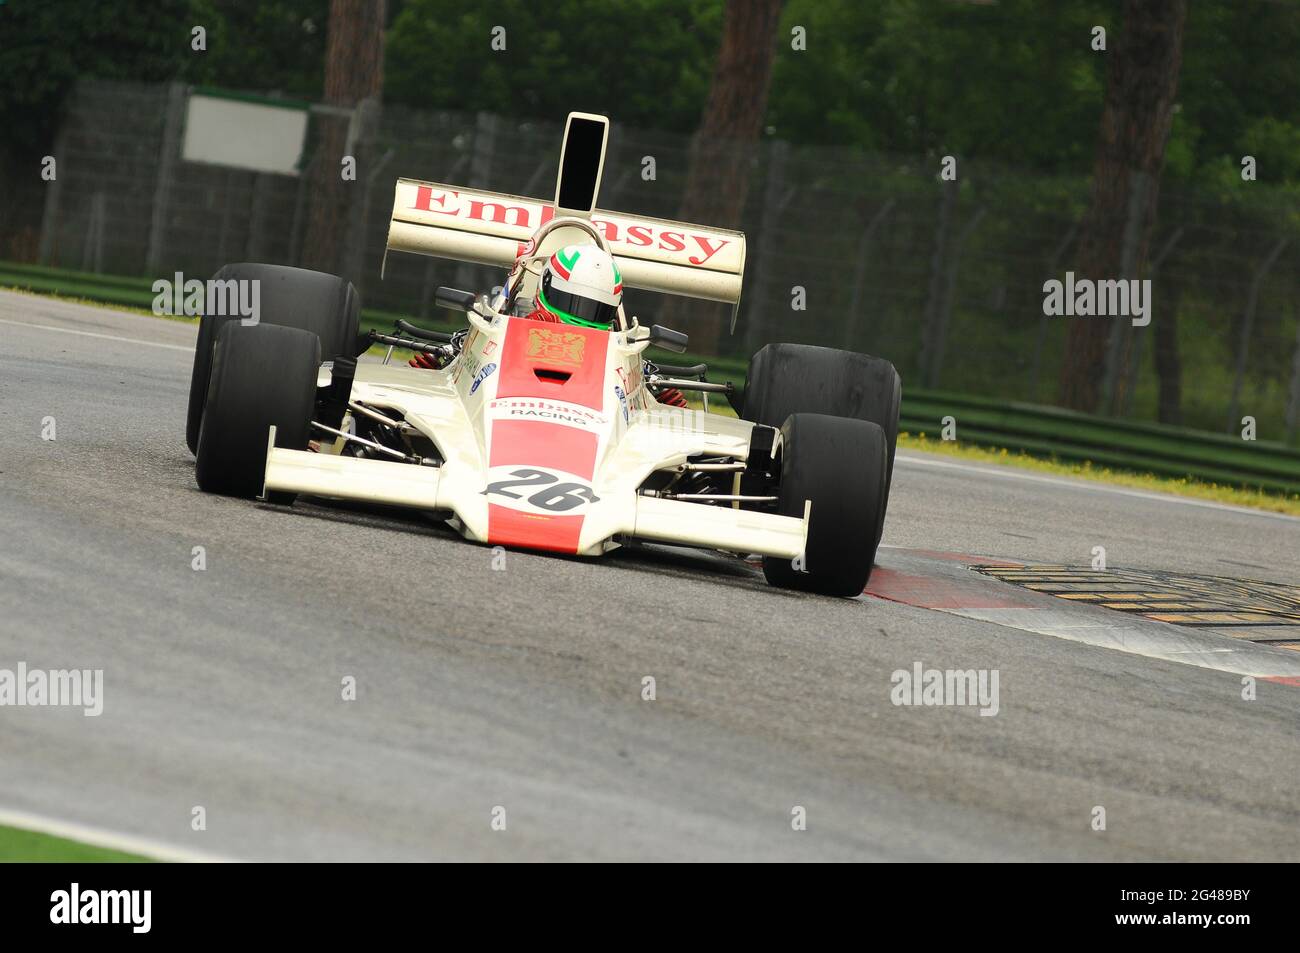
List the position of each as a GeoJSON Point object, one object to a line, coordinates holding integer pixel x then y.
{"type": "Point", "coordinates": [99, 837]}
{"type": "Point", "coordinates": [1009, 473]}
{"type": "Point", "coordinates": [189, 349]}
{"type": "Point", "coordinates": [1158, 640]}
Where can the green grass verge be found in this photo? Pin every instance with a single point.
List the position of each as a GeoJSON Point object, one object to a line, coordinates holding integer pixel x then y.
{"type": "Point", "coordinates": [94, 302]}
{"type": "Point", "coordinates": [22, 846]}
{"type": "Point", "coordinates": [135, 293]}
{"type": "Point", "coordinates": [1136, 479]}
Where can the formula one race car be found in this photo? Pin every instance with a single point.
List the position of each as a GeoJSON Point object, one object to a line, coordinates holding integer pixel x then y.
{"type": "Point", "coordinates": [548, 436]}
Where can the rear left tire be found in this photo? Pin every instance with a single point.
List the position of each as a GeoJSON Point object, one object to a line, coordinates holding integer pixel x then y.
{"type": "Point", "coordinates": [288, 297]}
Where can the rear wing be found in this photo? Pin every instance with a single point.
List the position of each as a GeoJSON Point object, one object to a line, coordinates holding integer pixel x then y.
{"type": "Point", "coordinates": [489, 228]}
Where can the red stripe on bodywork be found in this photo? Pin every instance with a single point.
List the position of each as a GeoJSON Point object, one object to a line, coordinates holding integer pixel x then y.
{"type": "Point", "coordinates": [562, 349]}
{"type": "Point", "coordinates": [558, 534]}
{"type": "Point", "coordinates": [533, 443]}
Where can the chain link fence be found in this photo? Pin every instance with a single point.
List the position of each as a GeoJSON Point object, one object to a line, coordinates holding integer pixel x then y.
{"type": "Point", "coordinates": [861, 251]}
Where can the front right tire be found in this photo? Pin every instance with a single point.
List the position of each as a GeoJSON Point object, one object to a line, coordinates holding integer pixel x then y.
{"type": "Point", "coordinates": [817, 454]}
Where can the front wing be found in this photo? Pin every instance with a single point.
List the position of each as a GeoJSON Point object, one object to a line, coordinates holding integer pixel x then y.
{"type": "Point", "coordinates": [445, 490]}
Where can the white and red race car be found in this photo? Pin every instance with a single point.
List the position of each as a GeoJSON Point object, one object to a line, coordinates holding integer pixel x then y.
{"type": "Point", "coordinates": [549, 436]}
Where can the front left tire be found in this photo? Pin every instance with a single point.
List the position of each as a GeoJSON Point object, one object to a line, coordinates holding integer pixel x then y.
{"type": "Point", "coordinates": [262, 376]}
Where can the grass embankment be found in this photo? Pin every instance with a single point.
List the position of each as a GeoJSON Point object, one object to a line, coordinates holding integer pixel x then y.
{"type": "Point", "coordinates": [23, 846]}
{"type": "Point", "coordinates": [1236, 496]}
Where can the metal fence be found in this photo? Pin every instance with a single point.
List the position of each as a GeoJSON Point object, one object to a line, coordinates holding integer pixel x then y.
{"type": "Point", "coordinates": [945, 279]}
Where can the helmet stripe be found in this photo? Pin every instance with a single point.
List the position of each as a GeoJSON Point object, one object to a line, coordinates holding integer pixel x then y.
{"type": "Point", "coordinates": [558, 267]}
{"type": "Point", "coordinates": [564, 265]}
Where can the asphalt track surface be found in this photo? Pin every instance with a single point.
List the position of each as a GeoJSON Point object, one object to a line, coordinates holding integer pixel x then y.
{"type": "Point", "coordinates": [521, 688]}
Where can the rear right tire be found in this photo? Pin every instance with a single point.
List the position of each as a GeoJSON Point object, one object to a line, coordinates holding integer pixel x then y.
{"type": "Point", "coordinates": [787, 379]}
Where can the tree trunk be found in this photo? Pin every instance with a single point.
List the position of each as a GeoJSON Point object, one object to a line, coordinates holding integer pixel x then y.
{"type": "Point", "coordinates": [354, 71]}
{"type": "Point", "coordinates": [724, 146]}
{"type": "Point", "coordinates": [1142, 78]}
{"type": "Point", "coordinates": [1168, 364]}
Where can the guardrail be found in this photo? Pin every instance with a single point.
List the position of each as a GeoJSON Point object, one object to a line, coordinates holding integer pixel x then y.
{"type": "Point", "coordinates": [1030, 428]}
{"type": "Point", "coordinates": [133, 292]}
{"type": "Point", "coordinates": [1044, 431]}
{"type": "Point", "coordinates": [1120, 444]}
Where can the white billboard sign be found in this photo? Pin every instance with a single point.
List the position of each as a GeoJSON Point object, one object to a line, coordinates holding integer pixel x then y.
{"type": "Point", "coordinates": [261, 136]}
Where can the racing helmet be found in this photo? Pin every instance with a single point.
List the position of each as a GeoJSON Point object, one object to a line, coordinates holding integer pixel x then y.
{"type": "Point", "coordinates": [581, 285]}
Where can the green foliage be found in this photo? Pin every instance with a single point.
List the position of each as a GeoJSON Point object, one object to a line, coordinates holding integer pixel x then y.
{"type": "Point", "coordinates": [269, 46]}
{"type": "Point", "coordinates": [1239, 91]}
{"type": "Point", "coordinates": [1016, 81]}
{"type": "Point", "coordinates": [644, 62]}
{"type": "Point", "coordinates": [46, 44]}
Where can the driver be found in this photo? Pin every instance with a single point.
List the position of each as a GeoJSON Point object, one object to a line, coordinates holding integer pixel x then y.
{"type": "Point", "coordinates": [581, 285]}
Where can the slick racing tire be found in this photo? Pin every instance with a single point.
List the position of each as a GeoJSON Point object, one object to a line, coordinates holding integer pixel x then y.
{"type": "Point", "coordinates": [844, 525]}
{"type": "Point", "coordinates": [324, 304]}
{"type": "Point", "coordinates": [787, 379]}
{"type": "Point", "coordinates": [262, 376]}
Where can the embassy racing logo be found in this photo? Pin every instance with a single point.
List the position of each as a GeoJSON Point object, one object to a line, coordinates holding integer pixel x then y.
{"type": "Point", "coordinates": [551, 411]}
{"type": "Point", "coordinates": [698, 248]}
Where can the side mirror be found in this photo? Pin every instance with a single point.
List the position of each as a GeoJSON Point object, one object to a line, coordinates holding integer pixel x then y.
{"type": "Point", "coordinates": [668, 339]}
{"type": "Point", "coordinates": [454, 299]}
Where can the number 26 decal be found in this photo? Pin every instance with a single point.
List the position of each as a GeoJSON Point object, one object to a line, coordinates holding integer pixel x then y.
{"type": "Point", "coordinates": [554, 496]}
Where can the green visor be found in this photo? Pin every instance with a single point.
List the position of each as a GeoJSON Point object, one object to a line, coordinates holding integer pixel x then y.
{"type": "Point", "coordinates": [575, 309]}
